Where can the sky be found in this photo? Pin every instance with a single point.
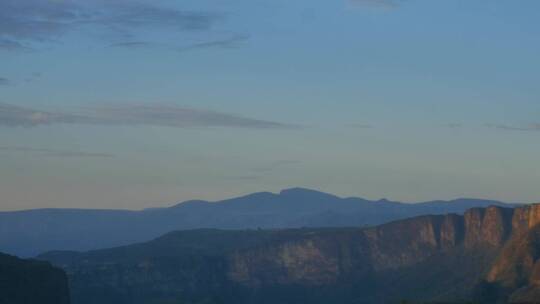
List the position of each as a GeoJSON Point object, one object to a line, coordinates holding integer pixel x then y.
{"type": "Point", "coordinates": [138, 104]}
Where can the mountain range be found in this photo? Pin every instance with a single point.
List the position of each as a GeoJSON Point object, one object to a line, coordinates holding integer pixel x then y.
{"type": "Point", "coordinates": [488, 255]}
{"type": "Point", "coordinates": [28, 233]}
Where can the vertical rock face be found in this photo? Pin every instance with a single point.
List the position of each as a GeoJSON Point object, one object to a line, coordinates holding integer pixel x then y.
{"type": "Point", "coordinates": [452, 231]}
{"type": "Point", "coordinates": [497, 225]}
{"type": "Point", "coordinates": [516, 271]}
{"type": "Point", "coordinates": [300, 261]}
{"type": "Point", "coordinates": [320, 258]}
{"type": "Point", "coordinates": [31, 282]}
{"type": "Point", "coordinates": [515, 262]}
{"type": "Point", "coordinates": [490, 226]}
{"type": "Point", "coordinates": [403, 243]}
{"type": "Point", "coordinates": [525, 218]}
{"type": "Point", "coordinates": [324, 258]}
{"type": "Point", "coordinates": [473, 226]}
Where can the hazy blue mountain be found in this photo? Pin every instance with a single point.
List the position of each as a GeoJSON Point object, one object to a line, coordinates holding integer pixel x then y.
{"type": "Point", "coordinates": [27, 233]}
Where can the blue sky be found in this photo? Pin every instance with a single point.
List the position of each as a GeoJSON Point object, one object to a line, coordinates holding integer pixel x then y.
{"type": "Point", "coordinates": [134, 104]}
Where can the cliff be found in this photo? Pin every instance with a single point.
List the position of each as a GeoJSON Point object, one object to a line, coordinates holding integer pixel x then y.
{"type": "Point", "coordinates": [485, 252]}
{"type": "Point", "coordinates": [31, 282]}
{"type": "Point", "coordinates": [515, 275]}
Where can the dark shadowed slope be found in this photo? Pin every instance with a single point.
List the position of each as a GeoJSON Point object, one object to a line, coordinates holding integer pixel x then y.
{"type": "Point", "coordinates": [27, 233]}
{"type": "Point", "coordinates": [31, 282]}
{"type": "Point", "coordinates": [435, 258]}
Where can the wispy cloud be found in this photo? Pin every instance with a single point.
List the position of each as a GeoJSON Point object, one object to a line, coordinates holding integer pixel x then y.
{"type": "Point", "coordinates": [530, 127]}
{"type": "Point", "coordinates": [132, 44]}
{"type": "Point", "coordinates": [29, 22]}
{"type": "Point", "coordinates": [227, 43]}
{"type": "Point", "coordinates": [234, 41]}
{"type": "Point", "coordinates": [157, 115]}
{"type": "Point", "coordinates": [10, 45]}
{"type": "Point", "coordinates": [174, 116]}
{"type": "Point", "coordinates": [54, 152]}
{"type": "Point", "coordinates": [33, 77]}
{"type": "Point", "coordinates": [10, 82]}
{"type": "Point", "coordinates": [15, 116]}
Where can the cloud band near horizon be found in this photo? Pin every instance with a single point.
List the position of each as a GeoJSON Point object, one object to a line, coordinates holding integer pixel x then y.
{"type": "Point", "coordinates": [156, 115]}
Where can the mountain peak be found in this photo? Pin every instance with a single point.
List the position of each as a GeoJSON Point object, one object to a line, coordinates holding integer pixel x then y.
{"type": "Point", "coordinates": [298, 191]}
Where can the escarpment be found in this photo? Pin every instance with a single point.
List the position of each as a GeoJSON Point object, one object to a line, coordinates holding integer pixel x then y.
{"type": "Point", "coordinates": [489, 226]}
{"type": "Point", "coordinates": [31, 282]}
{"type": "Point", "coordinates": [525, 217]}
{"type": "Point", "coordinates": [516, 272]}
{"type": "Point", "coordinates": [428, 258]}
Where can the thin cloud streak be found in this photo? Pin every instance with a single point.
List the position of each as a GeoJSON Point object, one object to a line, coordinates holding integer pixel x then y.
{"type": "Point", "coordinates": [228, 43]}
{"type": "Point", "coordinates": [55, 152]}
{"type": "Point", "coordinates": [15, 116]}
{"type": "Point", "coordinates": [155, 115]}
{"type": "Point", "coordinates": [530, 127]}
{"type": "Point", "coordinates": [132, 44]}
{"type": "Point", "coordinates": [10, 45]}
{"type": "Point", "coordinates": [225, 43]}
{"type": "Point", "coordinates": [33, 77]}
{"type": "Point", "coordinates": [4, 81]}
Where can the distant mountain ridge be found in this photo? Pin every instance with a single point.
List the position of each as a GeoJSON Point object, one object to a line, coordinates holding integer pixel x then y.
{"type": "Point", "coordinates": [488, 255]}
{"type": "Point", "coordinates": [27, 233]}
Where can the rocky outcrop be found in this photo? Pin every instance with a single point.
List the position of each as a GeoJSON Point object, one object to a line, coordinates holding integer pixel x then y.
{"type": "Point", "coordinates": [31, 282]}
{"type": "Point", "coordinates": [452, 231]}
{"type": "Point", "coordinates": [525, 218]}
{"type": "Point", "coordinates": [427, 258]}
{"type": "Point", "coordinates": [405, 242]}
{"type": "Point", "coordinates": [307, 262]}
{"type": "Point", "coordinates": [516, 272]}
{"type": "Point", "coordinates": [490, 226]}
